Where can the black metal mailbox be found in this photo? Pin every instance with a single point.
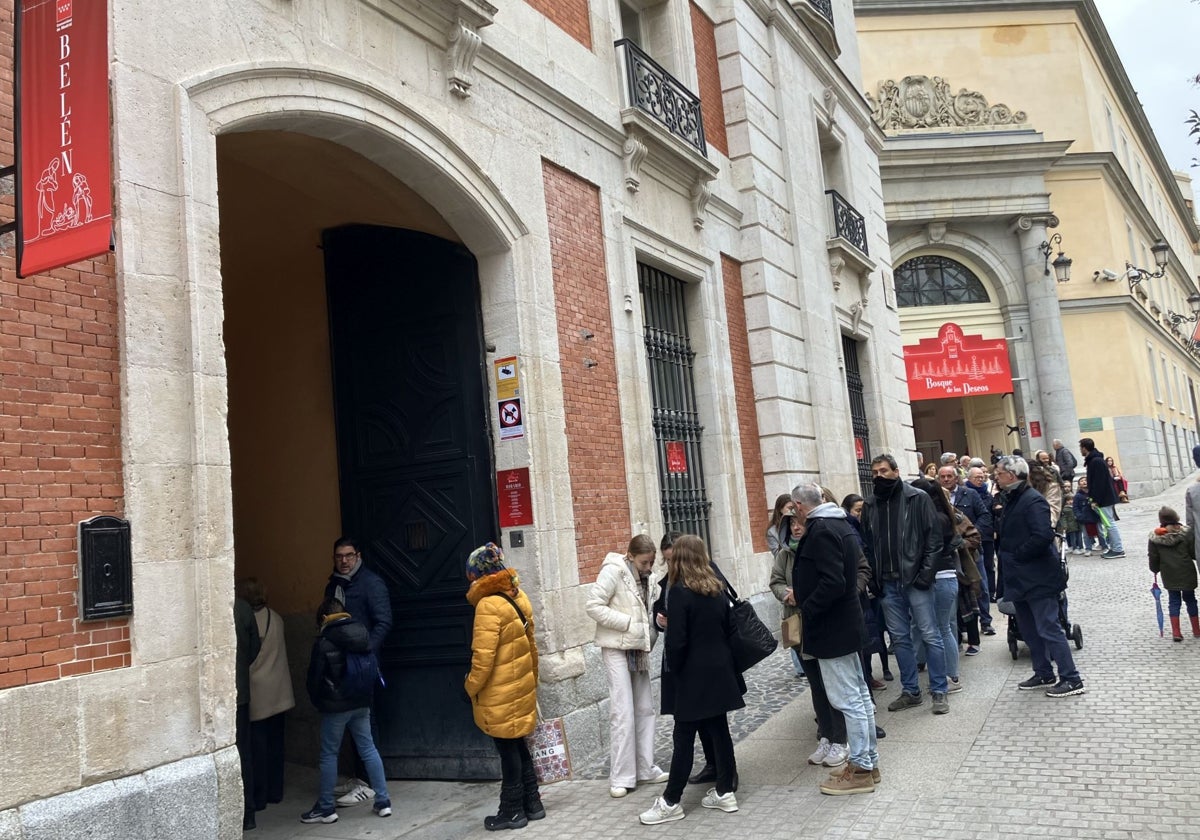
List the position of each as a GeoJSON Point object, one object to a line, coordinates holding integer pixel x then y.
{"type": "Point", "coordinates": [105, 568]}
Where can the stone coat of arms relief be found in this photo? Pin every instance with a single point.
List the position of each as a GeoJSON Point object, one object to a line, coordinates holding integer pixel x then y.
{"type": "Point", "coordinates": [926, 102]}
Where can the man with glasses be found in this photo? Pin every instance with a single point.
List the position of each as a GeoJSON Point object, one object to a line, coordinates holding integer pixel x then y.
{"type": "Point", "coordinates": [366, 598]}
{"type": "Point", "coordinates": [899, 525]}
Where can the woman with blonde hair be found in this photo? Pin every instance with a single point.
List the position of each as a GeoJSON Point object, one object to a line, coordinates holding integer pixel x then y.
{"type": "Point", "coordinates": [707, 683]}
{"type": "Point", "coordinates": [619, 603]}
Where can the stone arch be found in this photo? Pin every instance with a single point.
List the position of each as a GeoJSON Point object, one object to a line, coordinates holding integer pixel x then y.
{"type": "Point", "coordinates": [363, 118]}
{"type": "Point", "coordinates": [989, 265]}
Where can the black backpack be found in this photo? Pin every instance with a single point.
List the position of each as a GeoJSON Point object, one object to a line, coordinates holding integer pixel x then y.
{"type": "Point", "coordinates": [362, 672]}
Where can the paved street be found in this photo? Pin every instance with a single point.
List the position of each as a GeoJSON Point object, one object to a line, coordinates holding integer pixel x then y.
{"type": "Point", "coordinates": [1118, 762]}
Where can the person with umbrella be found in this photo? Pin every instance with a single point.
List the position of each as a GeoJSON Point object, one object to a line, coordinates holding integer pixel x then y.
{"type": "Point", "coordinates": [1172, 554]}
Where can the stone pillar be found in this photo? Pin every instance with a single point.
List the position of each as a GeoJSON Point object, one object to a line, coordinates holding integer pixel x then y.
{"type": "Point", "coordinates": [1055, 394]}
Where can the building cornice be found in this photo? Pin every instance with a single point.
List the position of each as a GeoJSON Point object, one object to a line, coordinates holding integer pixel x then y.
{"type": "Point", "coordinates": [1093, 27]}
{"type": "Point", "coordinates": [927, 155]}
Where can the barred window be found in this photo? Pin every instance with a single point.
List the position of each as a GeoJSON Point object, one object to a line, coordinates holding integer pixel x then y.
{"type": "Point", "coordinates": [937, 281]}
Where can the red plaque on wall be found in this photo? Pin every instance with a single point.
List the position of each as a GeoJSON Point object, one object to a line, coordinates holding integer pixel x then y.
{"type": "Point", "coordinates": [516, 500]}
{"type": "Point", "coordinates": [676, 457]}
{"type": "Point", "coordinates": [957, 365]}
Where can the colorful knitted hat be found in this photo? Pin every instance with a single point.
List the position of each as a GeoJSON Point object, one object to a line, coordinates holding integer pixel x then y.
{"type": "Point", "coordinates": [485, 560]}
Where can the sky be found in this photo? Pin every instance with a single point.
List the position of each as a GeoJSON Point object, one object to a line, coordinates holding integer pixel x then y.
{"type": "Point", "coordinates": [1157, 41]}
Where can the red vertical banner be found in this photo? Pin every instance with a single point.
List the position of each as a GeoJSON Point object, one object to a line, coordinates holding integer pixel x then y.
{"type": "Point", "coordinates": [64, 165]}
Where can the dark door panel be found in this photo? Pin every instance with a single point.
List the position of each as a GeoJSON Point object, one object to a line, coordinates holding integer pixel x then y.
{"type": "Point", "coordinates": [415, 465]}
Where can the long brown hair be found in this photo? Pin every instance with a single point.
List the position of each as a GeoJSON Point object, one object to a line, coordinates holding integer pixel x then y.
{"type": "Point", "coordinates": [781, 502]}
{"type": "Point", "coordinates": [689, 565]}
{"type": "Point", "coordinates": [641, 544]}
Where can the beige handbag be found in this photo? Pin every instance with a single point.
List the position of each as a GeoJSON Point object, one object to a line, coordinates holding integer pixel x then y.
{"type": "Point", "coordinates": [791, 633]}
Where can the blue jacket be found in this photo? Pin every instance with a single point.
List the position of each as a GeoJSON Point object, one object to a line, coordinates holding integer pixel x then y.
{"type": "Point", "coordinates": [1030, 567]}
{"type": "Point", "coordinates": [971, 503]}
{"type": "Point", "coordinates": [367, 600]}
{"type": "Point", "coordinates": [1082, 505]}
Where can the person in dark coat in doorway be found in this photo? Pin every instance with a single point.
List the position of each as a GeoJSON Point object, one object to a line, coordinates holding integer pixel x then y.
{"type": "Point", "coordinates": [698, 655]}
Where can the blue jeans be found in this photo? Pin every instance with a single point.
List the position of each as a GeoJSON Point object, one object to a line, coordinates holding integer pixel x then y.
{"type": "Point", "coordinates": [1114, 536]}
{"type": "Point", "coordinates": [1074, 539]}
{"type": "Point", "coordinates": [985, 592]}
{"type": "Point", "coordinates": [1176, 598]}
{"type": "Point", "coordinates": [945, 605]}
{"type": "Point", "coordinates": [1038, 620]}
{"type": "Point", "coordinates": [848, 693]}
{"type": "Point", "coordinates": [333, 724]}
{"type": "Point", "coordinates": [900, 606]}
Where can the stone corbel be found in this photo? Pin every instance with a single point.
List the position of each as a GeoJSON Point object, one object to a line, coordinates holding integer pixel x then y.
{"type": "Point", "coordinates": [935, 233]}
{"type": "Point", "coordinates": [701, 193]}
{"type": "Point", "coordinates": [634, 154]}
{"type": "Point", "coordinates": [463, 46]}
{"type": "Point", "coordinates": [836, 264]}
{"type": "Point", "coordinates": [857, 310]}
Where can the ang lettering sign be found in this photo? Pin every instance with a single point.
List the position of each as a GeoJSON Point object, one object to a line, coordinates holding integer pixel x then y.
{"type": "Point", "coordinates": [957, 365]}
{"type": "Point", "coordinates": [64, 167]}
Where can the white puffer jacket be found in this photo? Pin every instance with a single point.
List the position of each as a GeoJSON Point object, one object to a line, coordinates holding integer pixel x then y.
{"type": "Point", "coordinates": [615, 604]}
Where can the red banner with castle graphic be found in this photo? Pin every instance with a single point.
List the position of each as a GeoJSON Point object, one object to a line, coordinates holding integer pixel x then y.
{"type": "Point", "coordinates": [64, 168]}
{"type": "Point", "coordinates": [957, 365]}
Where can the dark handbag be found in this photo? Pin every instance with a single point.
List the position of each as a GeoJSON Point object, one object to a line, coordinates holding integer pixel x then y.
{"type": "Point", "coordinates": [752, 642]}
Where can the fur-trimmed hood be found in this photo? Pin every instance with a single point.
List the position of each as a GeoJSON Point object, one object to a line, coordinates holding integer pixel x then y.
{"type": "Point", "coordinates": [492, 584]}
{"type": "Point", "coordinates": [1163, 537]}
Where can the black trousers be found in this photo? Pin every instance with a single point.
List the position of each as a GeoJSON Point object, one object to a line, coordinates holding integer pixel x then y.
{"type": "Point", "coordinates": [247, 761]}
{"type": "Point", "coordinates": [266, 750]}
{"type": "Point", "coordinates": [831, 723]}
{"type": "Point", "coordinates": [684, 745]}
{"type": "Point", "coordinates": [515, 762]}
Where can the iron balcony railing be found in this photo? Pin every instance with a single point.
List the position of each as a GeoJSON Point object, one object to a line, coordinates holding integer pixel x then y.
{"type": "Point", "coordinates": [653, 90]}
{"type": "Point", "coordinates": [848, 223]}
{"type": "Point", "coordinates": [824, 9]}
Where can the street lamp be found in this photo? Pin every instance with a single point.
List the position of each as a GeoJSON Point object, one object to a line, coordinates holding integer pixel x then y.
{"type": "Point", "coordinates": [1162, 255]}
{"type": "Point", "coordinates": [1193, 301]}
{"type": "Point", "coordinates": [1062, 264]}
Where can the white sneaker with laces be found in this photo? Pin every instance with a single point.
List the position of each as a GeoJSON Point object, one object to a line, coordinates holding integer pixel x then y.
{"type": "Point", "coordinates": [661, 812]}
{"type": "Point", "coordinates": [726, 802]}
{"type": "Point", "coordinates": [657, 776]}
{"type": "Point", "coordinates": [837, 755]}
{"type": "Point", "coordinates": [342, 788]}
{"type": "Point", "coordinates": [821, 751]}
{"type": "Point", "coordinates": [360, 794]}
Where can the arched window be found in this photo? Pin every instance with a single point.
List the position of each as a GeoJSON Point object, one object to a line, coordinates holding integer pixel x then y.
{"type": "Point", "coordinates": [937, 281]}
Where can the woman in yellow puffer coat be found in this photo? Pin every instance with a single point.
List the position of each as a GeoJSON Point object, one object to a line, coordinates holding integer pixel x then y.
{"type": "Point", "coordinates": [502, 683]}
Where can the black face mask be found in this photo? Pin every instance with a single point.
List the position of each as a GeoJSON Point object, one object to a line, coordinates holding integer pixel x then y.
{"type": "Point", "coordinates": [885, 486]}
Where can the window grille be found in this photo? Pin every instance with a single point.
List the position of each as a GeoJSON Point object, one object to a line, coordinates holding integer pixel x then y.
{"type": "Point", "coordinates": [677, 428]}
{"type": "Point", "coordinates": [937, 281]}
{"type": "Point", "coordinates": [858, 415]}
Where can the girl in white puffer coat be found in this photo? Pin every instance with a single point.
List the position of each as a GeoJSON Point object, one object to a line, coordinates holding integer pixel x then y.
{"type": "Point", "coordinates": [619, 603]}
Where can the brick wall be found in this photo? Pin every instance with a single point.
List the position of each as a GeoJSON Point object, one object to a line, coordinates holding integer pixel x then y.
{"type": "Point", "coordinates": [712, 107]}
{"type": "Point", "coordinates": [595, 448]}
{"type": "Point", "coordinates": [60, 446]}
{"type": "Point", "coordinates": [571, 16]}
{"type": "Point", "coordinates": [743, 390]}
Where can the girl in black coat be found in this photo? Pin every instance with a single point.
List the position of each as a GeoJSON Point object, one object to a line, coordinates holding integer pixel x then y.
{"type": "Point", "coordinates": [699, 658]}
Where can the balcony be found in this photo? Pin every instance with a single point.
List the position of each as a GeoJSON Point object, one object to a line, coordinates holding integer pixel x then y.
{"type": "Point", "coordinates": [654, 91]}
{"type": "Point", "coordinates": [818, 17]}
{"type": "Point", "coordinates": [847, 242]}
{"type": "Point", "coordinates": [663, 125]}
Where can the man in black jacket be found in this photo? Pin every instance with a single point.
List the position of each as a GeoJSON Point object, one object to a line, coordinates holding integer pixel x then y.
{"type": "Point", "coordinates": [1031, 576]}
{"type": "Point", "coordinates": [1102, 491]}
{"type": "Point", "coordinates": [825, 583]}
{"type": "Point", "coordinates": [899, 525]}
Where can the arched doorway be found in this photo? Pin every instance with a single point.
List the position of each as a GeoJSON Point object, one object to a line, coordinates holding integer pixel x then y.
{"type": "Point", "coordinates": [354, 352]}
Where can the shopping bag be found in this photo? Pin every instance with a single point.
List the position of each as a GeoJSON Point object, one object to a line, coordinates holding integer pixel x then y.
{"type": "Point", "coordinates": [548, 749]}
{"type": "Point", "coordinates": [791, 632]}
{"type": "Point", "coordinates": [1105, 522]}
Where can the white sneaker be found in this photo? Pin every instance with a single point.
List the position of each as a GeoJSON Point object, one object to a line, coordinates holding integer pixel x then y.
{"type": "Point", "coordinates": [617, 792]}
{"type": "Point", "coordinates": [342, 788]}
{"type": "Point", "coordinates": [657, 776]}
{"type": "Point", "coordinates": [1077, 551]}
{"type": "Point", "coordinates": [953, 685]}
{"type": "Point", "coordinates": [726, 802]}
{"type": "Point", "coordinates": [661, 812]}
{"type": "Point", "coordinates": [820, 752]}
{"type": "Point", "coordinates": [837, 755]}
{"type": "Point", "coordinates": [360, 794]}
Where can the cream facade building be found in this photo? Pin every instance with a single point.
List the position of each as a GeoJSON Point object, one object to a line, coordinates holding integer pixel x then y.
{"type": "Point", "coordinates": [1009, 123]}
{"type": "Point", "coordinates": [346, 231]}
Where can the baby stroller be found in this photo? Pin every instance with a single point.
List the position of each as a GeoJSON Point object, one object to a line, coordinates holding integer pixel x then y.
{"type": "Point", "coordinates": [1072, 631]}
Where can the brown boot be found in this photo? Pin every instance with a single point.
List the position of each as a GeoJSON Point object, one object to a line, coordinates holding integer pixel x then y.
{"type": "Point", "coordinates": [837, 771]}
{"type": "Point", "coordinates": [853, 779]}
{"type": "Point", "coordinates": [1195, 625]}
{"type": "Point", "coordinates": [1176, 633]}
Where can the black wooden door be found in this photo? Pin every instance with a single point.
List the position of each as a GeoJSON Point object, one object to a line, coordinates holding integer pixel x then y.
{"type": "Point", "coordinates": [415, 463]}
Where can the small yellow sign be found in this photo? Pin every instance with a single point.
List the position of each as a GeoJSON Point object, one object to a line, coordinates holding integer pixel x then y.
{"type": "Point", "coordinates": [508, 379]}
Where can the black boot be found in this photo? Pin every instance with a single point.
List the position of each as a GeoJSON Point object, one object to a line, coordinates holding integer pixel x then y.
{"type": "Point", "coordinates": [511, 813]}
{"type": "Point", "coordinates": [707, 773]}
{"type": "Point", "coordinates": [534, 809]}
